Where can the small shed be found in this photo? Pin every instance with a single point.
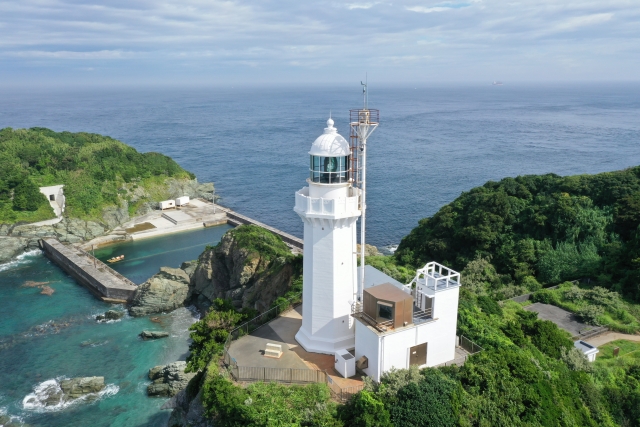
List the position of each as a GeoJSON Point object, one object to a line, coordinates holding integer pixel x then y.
{"type": "Point", "coordinates": [167, 204]}
{"type": "Point", "coordinates": [389, 305]}
{"type": "Point", "coordinates": [587, 349]}
{"type": "Point", "coordinates": [182, 201]}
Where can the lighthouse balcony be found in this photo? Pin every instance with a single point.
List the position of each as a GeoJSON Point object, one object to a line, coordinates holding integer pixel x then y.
{"type": "Point", "coordinates": [319, 207]}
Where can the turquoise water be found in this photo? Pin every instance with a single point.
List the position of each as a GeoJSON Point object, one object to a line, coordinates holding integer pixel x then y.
{"type": "Point", "coordinates": [143, 258]}
{"type": "Point", "coordinates": [47, 337]}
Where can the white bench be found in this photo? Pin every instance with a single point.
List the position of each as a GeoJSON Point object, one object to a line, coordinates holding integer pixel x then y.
{"type": "Point", "coordinates": [273, 350]}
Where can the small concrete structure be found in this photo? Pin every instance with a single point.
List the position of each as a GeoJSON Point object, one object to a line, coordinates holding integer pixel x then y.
{"type": "Point", "coordinates": [273, 350]}
{"type": "Point", "coordinates": [345, 364]}
{"type": "Point", "coordinates": [587, 349]}
{"type": "Point", "coordinates": [55, 196]}
{"type": "Point", "coordinates": [167, 204]}
{"type": "Point", "coordinates": [182, 201]}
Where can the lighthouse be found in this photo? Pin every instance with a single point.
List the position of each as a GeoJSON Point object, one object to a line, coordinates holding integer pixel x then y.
{"type": "Point", "coordinates": [329, 208]}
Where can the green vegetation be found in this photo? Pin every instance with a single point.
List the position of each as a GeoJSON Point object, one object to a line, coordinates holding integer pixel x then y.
{"type": "Point", "coordinates": [97, 171]}
{"type": "Point", "coordinates": [593, 305]}
{"type": "Point", "coordinates": [261, 242]}
{"type": "Point", "coordinates": [510, 236]}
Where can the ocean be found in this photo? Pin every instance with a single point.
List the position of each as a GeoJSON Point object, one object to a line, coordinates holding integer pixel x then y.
{"type": "Point", "coordinates": [432, 144]}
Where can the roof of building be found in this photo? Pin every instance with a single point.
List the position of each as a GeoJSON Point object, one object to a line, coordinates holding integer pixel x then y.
{"type": "Point", "coordinates": [373, 277]}
{"type": "Point", "coordinates": [330, 143]}
{"type": "Point", "coordinates": [585, 347]}
{"type": "Point", "coordinates": [388, 292]}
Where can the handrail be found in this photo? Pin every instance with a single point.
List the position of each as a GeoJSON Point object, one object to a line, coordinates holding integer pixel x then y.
{"type": "Point", "coordinates": [245, 325]}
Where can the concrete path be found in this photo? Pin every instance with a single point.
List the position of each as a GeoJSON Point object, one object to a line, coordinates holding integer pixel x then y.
{"type": "Point", "coordinates": [563, 318]}
{"type": "Point", "coordinates": [611, 336]}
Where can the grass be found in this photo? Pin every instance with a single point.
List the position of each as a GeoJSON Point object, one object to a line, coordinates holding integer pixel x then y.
{"type": "Point", "coordinates": [629, 352]}
{"type": "Point", "coordinates": [7, 214]}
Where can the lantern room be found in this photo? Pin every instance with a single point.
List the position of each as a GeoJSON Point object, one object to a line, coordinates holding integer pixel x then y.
{"type": "Point", "coordinates": [329, 158]}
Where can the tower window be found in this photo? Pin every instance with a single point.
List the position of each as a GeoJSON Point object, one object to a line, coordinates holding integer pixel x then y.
{"type": "Point", "coordinates": [329, 170]}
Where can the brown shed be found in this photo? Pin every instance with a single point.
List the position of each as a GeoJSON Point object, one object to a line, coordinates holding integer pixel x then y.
{"type": "Point", "coordinates": [388, 304]}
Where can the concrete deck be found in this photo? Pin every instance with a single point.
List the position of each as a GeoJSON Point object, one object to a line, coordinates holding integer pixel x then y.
{"type": "Point", "coordinates": [249, 349]}
{"type": "Point", "coordinates": [89, 271]}
{"type": "Point", "coordinates": [564, 319]}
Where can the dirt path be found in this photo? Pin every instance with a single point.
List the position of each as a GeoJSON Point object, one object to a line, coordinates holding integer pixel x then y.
{"type": "Point", "coordinates": [611, 336]}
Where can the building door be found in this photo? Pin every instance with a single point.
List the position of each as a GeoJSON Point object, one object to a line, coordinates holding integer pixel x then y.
{"type": "Point", "coordinates": [418, 355]}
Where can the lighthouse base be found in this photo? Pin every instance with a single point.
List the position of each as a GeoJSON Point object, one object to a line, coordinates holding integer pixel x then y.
{"type": "Point", "coordinates": [324, 346]}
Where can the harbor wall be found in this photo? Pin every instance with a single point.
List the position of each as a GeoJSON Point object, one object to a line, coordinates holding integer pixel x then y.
{"type": "Point", "coordinates": [100, 280]}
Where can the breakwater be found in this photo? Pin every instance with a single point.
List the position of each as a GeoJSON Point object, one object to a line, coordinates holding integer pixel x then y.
{"type": "Point", "coordinates": [235, 219]}
{"type": "Point", "coordinates": [99, 278]}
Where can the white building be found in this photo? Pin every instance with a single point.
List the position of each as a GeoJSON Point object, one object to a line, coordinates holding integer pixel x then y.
{"type": "Point", "coordinates": [55, 196]}
{"type": "Point", "coordinates": [395, 325]}
{"type": "Point", "coordinates": [590, 351]}
{"type": "Point", "coordinates": [329, 209]}
{"type": "Point", "coordinates": [414, 324]}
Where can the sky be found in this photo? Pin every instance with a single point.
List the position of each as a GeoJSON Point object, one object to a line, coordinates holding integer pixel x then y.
{"type": "Point", "coordinates": [44, 42]}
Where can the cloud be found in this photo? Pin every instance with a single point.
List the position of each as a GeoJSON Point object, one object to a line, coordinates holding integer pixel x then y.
{"type": "Point", "coordinates": [581, 21]}
{"type": "Point", "coordinates": [287, 40]}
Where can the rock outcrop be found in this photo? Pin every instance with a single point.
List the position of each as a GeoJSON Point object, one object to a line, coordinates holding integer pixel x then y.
{"type": "Point", "coordinates": [169, 379]}
{"type": "Point", "coordinates": [165, 291]}
{"type": "Point", "coordinates": [188, 412]}
{"type": "Point", "coordinates": [153, 335]}
{"type": "Point", "coordinates": [110, 315]}
{"type": "Point", "coordinates": [78, 387]}
{"type": "Point", "coordinates": [250, 266]}
{"type": "Point", "coordinates": [10, 247]}
{"type": "Point", "coordinates": [191, 188]}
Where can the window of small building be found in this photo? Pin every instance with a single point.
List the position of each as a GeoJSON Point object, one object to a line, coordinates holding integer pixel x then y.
{"type": "Point", "coordinates": [385, 311]}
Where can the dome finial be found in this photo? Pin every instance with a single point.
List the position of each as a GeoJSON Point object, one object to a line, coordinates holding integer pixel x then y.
{"type": "Point", "coordinates": [330, 123]}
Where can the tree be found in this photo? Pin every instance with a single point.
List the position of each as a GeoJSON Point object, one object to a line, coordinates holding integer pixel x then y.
{"type": "Point", "coordinates": [365, 410]}
{"type": "Point", "coordinates": [27, 197]}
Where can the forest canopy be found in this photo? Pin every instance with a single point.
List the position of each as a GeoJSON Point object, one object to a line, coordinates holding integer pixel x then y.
{"type": "Point", "coordinates": [91, 167]}
{"type": "Point", "coordinates": [520, 233]}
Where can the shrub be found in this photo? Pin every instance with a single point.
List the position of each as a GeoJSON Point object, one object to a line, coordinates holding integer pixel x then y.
{"type": "Point", "coordinates": [544, 296]}
{"type": "Point", "coordinates": [489, 306]}
{"type": "Point", "coordinates": [531, 283]}
{"type": "Point", "coordinates": [394, 379]}
{"type": "Point", "coordinates": [27, 197]}
{"type": "Point", "coordinates": [575, 359]}
{"type": "Point", "coordinates": [574, 293]}
{"type": "Point", "coordinates": [365, 410]}
{"type": "Point", "coordinates": [590, 314]}
{"type": "Point", "coordinates": [430, 402]}
{"type": "Point", "coordinates": [548, 338]}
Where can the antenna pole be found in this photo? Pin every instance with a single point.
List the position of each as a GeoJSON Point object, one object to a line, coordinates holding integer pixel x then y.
{"type": "Point", "coordinates": [363, 123]}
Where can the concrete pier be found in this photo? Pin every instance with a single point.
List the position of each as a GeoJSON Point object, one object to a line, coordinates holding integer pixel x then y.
{"type": "Point", "coordinates": [99, 278]}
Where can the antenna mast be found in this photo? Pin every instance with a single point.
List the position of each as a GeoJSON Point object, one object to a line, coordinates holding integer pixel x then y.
{"type": "Point", "coordinates": [362, 123]}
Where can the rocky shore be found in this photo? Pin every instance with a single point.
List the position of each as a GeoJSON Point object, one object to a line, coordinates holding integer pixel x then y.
{"type": "Point", "coordinates": [168, 380]}
{"type": "Point", "coordinates": [16, 239]}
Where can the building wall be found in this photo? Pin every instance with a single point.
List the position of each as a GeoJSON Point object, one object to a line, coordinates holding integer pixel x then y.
{"type": "Point", "coordinates": [391, 350]}
{"type": "Point", "coordinates": [328, 283]}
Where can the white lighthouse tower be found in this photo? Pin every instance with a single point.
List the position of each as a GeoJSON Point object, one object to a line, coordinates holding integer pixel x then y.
{"type": "Point", "coordinates": [329, 209]}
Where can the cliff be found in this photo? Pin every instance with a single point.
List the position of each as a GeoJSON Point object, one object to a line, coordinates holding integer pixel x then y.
{"type": "Point", "coordinates": [250, 266]}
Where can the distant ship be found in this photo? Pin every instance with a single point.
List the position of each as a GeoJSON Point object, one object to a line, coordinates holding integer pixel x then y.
{"type": "Point", "coordinates": [495, 83]}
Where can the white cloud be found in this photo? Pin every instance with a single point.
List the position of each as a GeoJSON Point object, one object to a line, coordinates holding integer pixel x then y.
{"type": "Point", "coordinates": [581, 21]}
{"type": "Point", "coordinates": [421, 9]}
{"type": "Point", "coordinates": [64, 54]}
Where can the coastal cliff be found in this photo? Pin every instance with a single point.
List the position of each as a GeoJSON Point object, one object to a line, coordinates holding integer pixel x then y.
{"type": "Point", "coordinates": [250, 266]}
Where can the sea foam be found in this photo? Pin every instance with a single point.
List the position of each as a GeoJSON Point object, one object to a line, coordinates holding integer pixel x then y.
{"type": "Point", "coordinates": [24, 258]}
{"type": "Point", "coordinates": [36, 401]}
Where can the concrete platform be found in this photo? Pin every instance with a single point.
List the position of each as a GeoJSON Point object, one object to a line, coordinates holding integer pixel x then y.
{"type": "Point", "coordinates": [249, 349]}
{"type": "Point", "coordinates": [563, 318]}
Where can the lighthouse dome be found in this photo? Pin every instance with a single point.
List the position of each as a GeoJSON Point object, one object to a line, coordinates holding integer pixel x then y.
{"type": "Point", "coordinates": [330, 143]}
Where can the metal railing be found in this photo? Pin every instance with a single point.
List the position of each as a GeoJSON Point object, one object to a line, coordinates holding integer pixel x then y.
{"type": "Point", "coordinates": [281, 375]}
{"type": "Point", "coordinates": [342, 394]}
{"type": "Point", "coordinates": [469, 346]}
{"type": "Point", "coordinates": [253, 324]}
{"type": "Point", "coordinates": [103, 265]}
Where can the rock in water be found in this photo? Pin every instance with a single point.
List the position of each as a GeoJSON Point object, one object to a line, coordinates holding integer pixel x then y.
{"type": "Point", "coordinates": [78, 387]}
{"type": "Point", "coordinates": [251, 266]}
{"type": "Point", "coordinates": [153, 335]}
{"type": "Point", "coordinates": [168, 380]}
{"type": "Point", "coordinates": [11, 247]}
{"type": "Point", "coordinates": [163, 292]}
{"type": "Point", "coordinates": [110, 315]}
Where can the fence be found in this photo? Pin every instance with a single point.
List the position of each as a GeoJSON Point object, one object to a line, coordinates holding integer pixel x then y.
{"type": "Point", "coordinates": [253, 324]}
{"type": "Point", "coordinates": [589, 333]}
{"type": "Point", "coordinates": [342, 394]}
{"type": "Point", "coordinates": [469, 346]}
{"type": "Point", "coordinates": [281, 375]}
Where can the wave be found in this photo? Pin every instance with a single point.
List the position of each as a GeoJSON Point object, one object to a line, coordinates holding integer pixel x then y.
{"type": "Point", "coordinates": [23, 258]}
{"type": "Point", "coordinates": [50, 391]}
